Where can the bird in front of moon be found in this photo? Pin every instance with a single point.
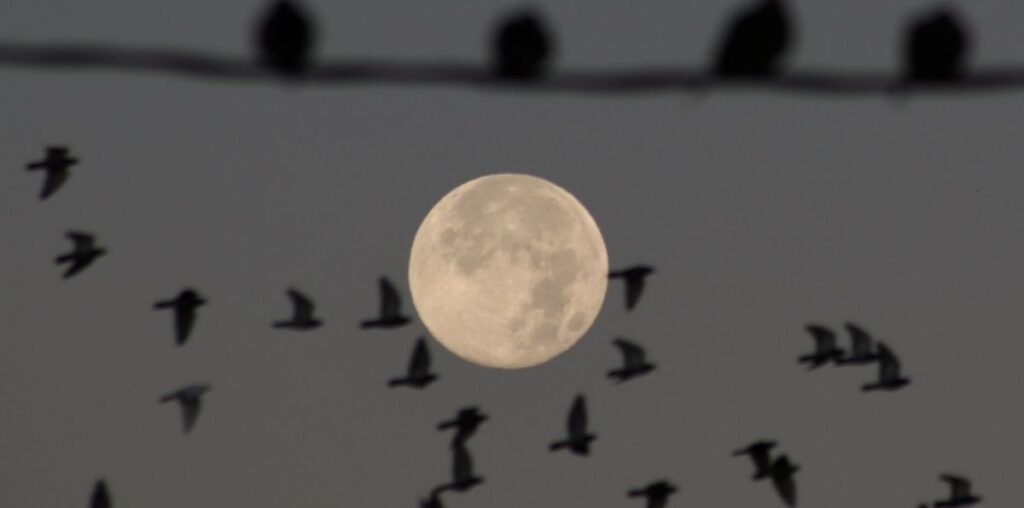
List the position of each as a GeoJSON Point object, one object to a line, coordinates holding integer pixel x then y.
{"type": "Point", "coordinates": [508, 271]}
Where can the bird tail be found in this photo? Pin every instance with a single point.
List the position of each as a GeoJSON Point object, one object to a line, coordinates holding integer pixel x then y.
{"type": "Point", "coordinates": [163, 304]}
{"type": "Point", "coordinates": [557, 445]}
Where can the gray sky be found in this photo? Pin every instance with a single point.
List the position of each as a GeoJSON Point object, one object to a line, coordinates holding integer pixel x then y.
{"type": "Point", "coordinates": [761, 212]}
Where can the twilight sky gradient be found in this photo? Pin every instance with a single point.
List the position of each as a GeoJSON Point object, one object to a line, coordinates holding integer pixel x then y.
{"type": "Point", "coordinates": [761, 213]}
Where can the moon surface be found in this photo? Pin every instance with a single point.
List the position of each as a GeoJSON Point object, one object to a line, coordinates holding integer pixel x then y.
{"type": "Point", "coordinates": [508, 271]}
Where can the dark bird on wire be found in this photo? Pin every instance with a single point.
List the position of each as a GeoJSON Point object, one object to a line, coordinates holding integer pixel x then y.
{"type": "Point", "coordinates": [825, 349]}
{"type": "Point", "coordinates": [861, 351]}
{"type": "Point", "coordinates": [634, 362]}
{"type": "Point", "coordinates": [465, 423]}
{"type": "Point", "coordinates": [189, 398]}
{"type": "Point", "coordinates": [756, 42]}
{"type": "Point", "coordinates": [656, 493]}
{"type": "Point", "coordinates": [184, 306]}
{"type": "Point", "coordinates": [83, 253]}
{"type": "Point", "coordinates": [936, 47]}
{"type": "Point", "coordinates": [781, 472]}
{"type": "Point", "coordinates": [578, 439]}
{"type": "Point", "coordinates": [100, 496]}
{"type": "Point", "coordinates": [760, 454]}
{"type": "Point", "coordinates": [57, 166]}
{"type": "Point", "coordinates": [390, 308]}
{"type": "Point", "coordinates": [285, 38]}
{"type": "Point", "coordinates": [959, 492]}
{"type": "Point", "coordinates": [522, 46]}
{"type": "Point", "coordinates": [418, 374]}
{"type": "Point", "coordinates": [889, 377]}
{"type": "Point", "coordinates": [634, 278]}
{"type": "Point", "coordinates": [302, 313]}
{"type": "Point", "coordinates": [463, 477]}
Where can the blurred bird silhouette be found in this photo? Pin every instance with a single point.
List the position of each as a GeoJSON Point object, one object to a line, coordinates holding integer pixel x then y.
{"type": "Point", "coordinates": [57, 166]}
{"type": "Point", "coordinates": [463, 477]}
{"type": "Point", "coordinates": [302, 313]}
{"type": "Point", "coordinates": [434, 501]}
{"type": "Point", "coordinates": [634, 278]}
{"type": "Point", "coordinates": [634, 361]}
{"type": "Point", "coordinates": [960, 492]}
{"type": "Point", "coordinates": [889, 377]}
{"type": "Point", "coordinates": [860, 347]}
{"type": "Point", "coordinates": [465, 423]}
{"type": "Point", "coordinates": [285, 38]}
{"type": "Point", "coordinates": [760, 454]}
{"type": "Point", "coordinates": [84, 252]}
{"type": "Point", "coordinates": [100, 496]}
{"type": "Point", "coordinates": [936, 47]}
{"type": "Point", "coordinates": [825, 349]}
{"type": "Point", "coordinates": [418, 374]}
{"type": "Point", "coordinates": [781, 472]}
{"type": "Point", "coordinates": [184, 306]}
{"type": "Point", "coordinates": [390, 308]}
{"type": "Point", "coordinates": [578, 439]}
{"type": "Point", "coordinates": [189, 398]}
{"type": "Point", "coordinates": [756, 42]}
{"type": "Point", "coordinates": [656, 493]}
{"type": "Point", "coordinates": [522, 46]}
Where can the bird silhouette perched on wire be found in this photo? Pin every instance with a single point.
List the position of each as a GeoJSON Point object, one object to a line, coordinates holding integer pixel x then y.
{"type": "Point", "coordinates": [189, 398]}
{"type": "Point", "coordinates": [100, 496]}
{"type": "Point", "coordinates": [578, 439]}
{"type": "Point", "coordinates": [83, 253]}
{"type": "Point", "coordinates": [390, 308]}
{"type": "Point", "coordinates": [634, 278]}
{"type": "Point", "coordinates": [634, 361]}
{"type": "Point", "coordinates": [959, 492]}
{"type": "Point", "coordinates": [760, 454]}
{"type": "Point", "coordinates": [522, 47]}
{"type": "Point", "coordinates": [936, 47]}
{"type": "Point", "coordinates": [657, 493]}
{"type": "Point", "coordinates": [418, 374]}
{"type": "Point", "coordinates": [303, 310]}
{"type": "Point", "coordinates": [57, 166]}
{"type": "Point", "coordinates": [285, 38]}
{"type": "Point", "coordinates": [184, 306]}
{"type": "Point", "coordinates": [825, 349]}
{"type": "Point", "coordinates": [756, 42]}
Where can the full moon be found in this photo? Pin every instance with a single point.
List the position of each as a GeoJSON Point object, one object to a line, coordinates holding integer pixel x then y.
{"type": "Point", "coordinates": [508, 271]}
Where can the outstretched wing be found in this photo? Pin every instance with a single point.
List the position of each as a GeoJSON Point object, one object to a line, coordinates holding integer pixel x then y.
{"type": "Point", "coordinates": [959, 486]}
{"type": "Point", "coordinates": [889, 365]}
{"type": "Point", "coordinates": [419, 364]}
{"type": "Point", "coordinates": [786, 487]}
{"type": "Point", "coordinates": [390, 302]}
{"type": "Point", "coordinates": [189, 413]}
{"type": "Point", "coordinates": [860, 341]}
{"type": "Point", "coordinates": [824, 338]}
{"type": "Point", "coordinates": [184, 319]}
{"type": "Point", "coordinates": [632, 354]}
{"type": "Point", "coordinates": [81, 240]}
{"type": "Point", "coordinates": [100, 496]}
{"type": "Point", "coordinates": [53, 181]}
{"type": "Point", "coordinates": [634, 288]}
{"type": "Point", "coordinates": [302, 305]}
{"type": "Point", "coordinates": [462, 465]}
{"type": "Point", "coordinates": [578, 417]}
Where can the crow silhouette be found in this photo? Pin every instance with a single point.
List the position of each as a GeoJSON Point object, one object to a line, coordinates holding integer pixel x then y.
{"type": "Point", "coordinates": [390, 308]}
{"type": "Point", "coordinates": [760, 454]}
{"type": "Point", "coordinates": [285, 39]}
{"type": "Point", "coordinates": [889, 377]}
{"type": "Point", "coordinates": [756, 42]}
{"type": "Point", "coordinates": [84, 252]}
{"type": "Point", "coordinates": [825, 349]}
{"type": "Point", "coordinates": [861, 351]}
{"type": "Point", "coordinates": [936, 47]}
{"type": "Point", "coordinates": [418, 374]}
{"type": "Point", "coordinates": [578, 439]}
{"type": "Point", "coordinates": [465, 423]}
{"type": "Point", "coordinates": [657, 493]}
{"type": "Point", "coordinates": [57, 166]}
{"type": "Point", "coordinates": [522, 46]}
{"type": "Point", "coordinates": [634, 278]}
{"type": "Point", "coordinates": [189, 397]}
{"type": "Point", "coordinates": [959, 492]}
{"type": "Point", "coordinates": [184, 306]}
{"type": "Point", "coordinates": [302, 313]}
{"type": "Point", "coordinates": [634, 361]}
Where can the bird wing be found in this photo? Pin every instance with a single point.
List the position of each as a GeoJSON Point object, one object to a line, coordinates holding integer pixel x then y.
{"type": "Point", "coordinates": [824, 338]}
{"type": "Point", "coordinates": [189, 413]}
{"type": "Point", "coordinates": [52, 182]}
{"type": "Point", "coordinates": [578, 417]}
{"type": "Point", "coordinates": [860, 341]}
{"type": "Point", "coordinates": [960, 487]}
{"type": "Point", "coordinates": [184, 318]}
{"type": "Point", "coordinates": [462, 465]}
{"type": "Point", "coordinates": [302, 305]}
{"type": "Point", "coordinates": [785, 484]}
{"type": "Point", "coordinates": [390, 302]}
{"type": "Point", "coordinates": [889, 365]}
{"type": "Point", "coordinates": [634, 287]}
{"type": "Point", "coordinates": [419, 365]}
{"type": "Point", "coordinates": [100, 496]}
{"type": "Point", "coordinates": [80, 239]}
{"type": "Point", "coordinates": [633, 355]}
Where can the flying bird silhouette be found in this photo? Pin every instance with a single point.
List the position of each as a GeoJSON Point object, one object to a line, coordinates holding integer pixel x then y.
{"type": "Point", "coordinates": [418, 374]}
{"type": "Point", "coordinates": [434, 501]}
{"type": "Point", "coordinates": [634, 278]}
{"type": "Point", "coordinates": [760, 454]}
{"type": "Point", "coordinates": [936, 47]}
{"type": "Point", "coordinates": [889, 377]}
{"type": "Point", "coordinates": [463, 477]}
{"type": "Point", "coordinates": [465, 423]}
{"type": "Point", "coordinates": [634, 361]}
{"type": "Point", "coordinates": [84, 252]}
{"type": "Point", "coordinates": [100, 496]}
{"type": "Point", "coordinates": [825, 349]}
{"type": "Point", "coordinates": [189, 397]}
{"type": "Point", "coordinates": [781, 472]}
{"type": "Point", "coordinates": [390, 308]}
{"type": "Point", "coordinates": [57, 166]}
{"type": "Point", "coordinates": [285, 38]}
{"type": "Point", "coordinates": [578, 439]}
{"type": "Point", "coordinates": [756, 42]}
{"type": "Point", "coordinates": [302, 313]}
{"type": "Point", "coordinates": [960, 492]}
{"type": "Point", "coordinates": [522, 46]}
{"type": "Point", "coordinates": [860, 347]}
{"type": "Point", "coordinates": [184, 306]}
{"type": "Point", "coordinates": [657, 493]}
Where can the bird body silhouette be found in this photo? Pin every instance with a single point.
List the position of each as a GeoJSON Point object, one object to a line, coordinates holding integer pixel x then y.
{"type": "Point", "coordinates": [959, 492]}
{"type": "Point", "coordinates": [657, 493]}
{"type": "Point", "coordinates": [634, 362]}
{"type": "Point", "coordinates": [781, 472]}
{"type": "Point", "coordinates": [634, 278]}
{"type": "Point", "coordinates": [756, 42]}
{"type": "Point", "coordinates": [936, 47]}
{"type": "Point", "coordinates": [860, 347]}
{"type": "Point", "coordinates": [184, 306]}
{"type": "Point", "coordinates": [100, 496]}
{"type": "Point", "coordinates": [522, 46]}
{"type": "Point", "coordinates": [302, 313]}
{"type": "Point", "coordinates": [465, 423]}
{"type": "Point", "coordinates": [825, 349]}
{"type": "Point", "coordinates": [760, 454]}
{"type": "Point", "coordinates": [889, 377]}
{"type": "Point", "coordinates": [189, 397]}
{"type": "Point", "coordinates": [84, 252]}
{"type": "Point", "coordinates": [463, 477]}
{"type": "Point", "coordinates": [390, 308]}
{"type": "Point", "coordinates": [57, 166]}
{"type": "Point", "coordinates": [578, 439]}
{"type": "Point", "coordinates": [285, 39]}
{"type": "Point", "coordinates": [418, 374]}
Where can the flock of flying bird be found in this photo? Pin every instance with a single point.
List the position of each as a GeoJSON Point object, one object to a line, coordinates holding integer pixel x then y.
{"type": "Point", "coordinates": [753, 46]}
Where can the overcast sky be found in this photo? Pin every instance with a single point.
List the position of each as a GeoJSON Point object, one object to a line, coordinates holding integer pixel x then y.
{"type": "Point", "coordinates": [762, 213]}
